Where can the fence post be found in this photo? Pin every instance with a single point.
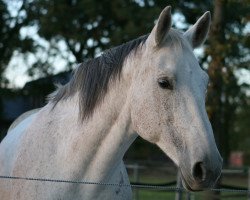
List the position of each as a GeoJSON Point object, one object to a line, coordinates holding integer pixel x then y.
{"type": "Point", "coordinates": [178, 194]}
{"type": "Point", "coordinates": [248, 183]}
{"type": "Point", "coordinates": [136, 178]}
{"type": "Point", "coordinates": [188, 195]}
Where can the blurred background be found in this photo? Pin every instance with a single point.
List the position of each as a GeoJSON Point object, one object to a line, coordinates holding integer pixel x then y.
{"type": "Point", "coordinates": [42, 41]}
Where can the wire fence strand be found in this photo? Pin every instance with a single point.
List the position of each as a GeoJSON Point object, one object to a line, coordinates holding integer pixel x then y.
{"type": "Point", "coordinates": [135, 186]}
{"type": "Point", "coordinates": [141, 186]}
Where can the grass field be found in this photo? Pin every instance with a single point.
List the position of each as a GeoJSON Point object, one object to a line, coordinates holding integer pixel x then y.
{"type": "Point", "coordinates": [162, 176]}
{"type": "Point", "coordinates": [161, 195]}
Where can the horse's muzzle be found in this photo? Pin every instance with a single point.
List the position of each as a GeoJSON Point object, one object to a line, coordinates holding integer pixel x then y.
{"type": "Point", "coordinates": [202, 176]}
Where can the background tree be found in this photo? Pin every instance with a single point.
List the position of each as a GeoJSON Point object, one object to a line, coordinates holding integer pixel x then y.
{"type": "Point", "coordinates": [227, 52]}
{"type": "Point", "coordinates": [88, 27]}
{"type": "Point", "coordinates": [10, 39]}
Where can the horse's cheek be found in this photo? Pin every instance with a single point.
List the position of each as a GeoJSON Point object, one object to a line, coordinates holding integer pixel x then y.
{"type": "Point", "coordinates": [144, 119]}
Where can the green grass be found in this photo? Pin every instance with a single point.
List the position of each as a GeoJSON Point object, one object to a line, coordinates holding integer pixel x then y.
{"type": "Point", "coordinates": [151, 195]}
{"type": "Point", "coordinates": [161, 177]}
{"type": "Point", "coordinates": [162, 195]}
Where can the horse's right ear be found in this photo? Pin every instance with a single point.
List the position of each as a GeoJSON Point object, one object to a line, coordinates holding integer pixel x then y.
{"type": "Point", "coordinates": [162, 26]}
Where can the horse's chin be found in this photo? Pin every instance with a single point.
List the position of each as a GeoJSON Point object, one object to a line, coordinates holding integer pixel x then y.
{"type": "Point", "coordinates": [187, 186]}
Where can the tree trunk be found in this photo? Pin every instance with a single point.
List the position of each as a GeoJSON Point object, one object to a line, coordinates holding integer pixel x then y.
{"type": "Point", "coordinates": [215, 50]}
{"type": "Point", "coordinates": [216, 89]}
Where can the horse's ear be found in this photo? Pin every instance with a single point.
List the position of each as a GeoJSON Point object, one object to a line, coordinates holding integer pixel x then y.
{"type": "Point", "coordinates": [197, 34]}
{"type": "Point", "coordinates": [163, 25]}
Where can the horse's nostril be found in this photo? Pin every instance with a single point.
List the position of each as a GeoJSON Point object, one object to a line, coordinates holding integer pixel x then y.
{"type": "Point", "coordinates": [199, 171]}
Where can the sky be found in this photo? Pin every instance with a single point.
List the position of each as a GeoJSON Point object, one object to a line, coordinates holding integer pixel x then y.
{"type": "Point", "coordinates": [16, 71]}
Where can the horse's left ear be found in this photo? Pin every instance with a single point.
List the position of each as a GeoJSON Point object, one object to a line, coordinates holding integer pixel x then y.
{"type": "Point", "coordinates": [197, 34]}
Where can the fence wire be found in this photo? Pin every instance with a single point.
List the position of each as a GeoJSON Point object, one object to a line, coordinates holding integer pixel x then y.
{"type": "Point", "coordinates": [135, 186]}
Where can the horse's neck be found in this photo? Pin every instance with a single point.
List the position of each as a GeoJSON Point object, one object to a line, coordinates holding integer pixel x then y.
{"type": "Point", "coordinates": [101, 141]}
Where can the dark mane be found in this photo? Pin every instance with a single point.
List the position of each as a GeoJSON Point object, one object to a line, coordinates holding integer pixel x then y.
{"type": "Point", "coordinates": [92, 77]}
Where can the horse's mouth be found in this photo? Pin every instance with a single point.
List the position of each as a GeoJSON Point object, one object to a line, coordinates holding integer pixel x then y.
{"type": "Point", "coordinates": [187, 186]}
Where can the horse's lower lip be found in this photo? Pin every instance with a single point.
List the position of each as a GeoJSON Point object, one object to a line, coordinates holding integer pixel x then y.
{"type": "Point", "coordinates": [184, 182]}
{"type": "Point", "coordinates": [187, 186]}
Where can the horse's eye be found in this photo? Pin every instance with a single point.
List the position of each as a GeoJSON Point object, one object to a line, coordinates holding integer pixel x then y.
{"type": "Point", "coordinates": [165, 84]}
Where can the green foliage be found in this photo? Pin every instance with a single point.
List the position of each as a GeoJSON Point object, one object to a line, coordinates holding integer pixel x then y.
{"type": "Point", "coordinates": [143, 150]}
{"type": "Point", "coordinates": [90, 26]}
{"type": "Point", "coordinates": [10, 40]}
{"type": "Point", "coordinates": [227, 52]}
{"type": "Point", "coordinates": [241, 128]}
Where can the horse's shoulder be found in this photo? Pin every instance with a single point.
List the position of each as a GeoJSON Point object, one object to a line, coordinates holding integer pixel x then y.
{"type": "Point", "coordinates": [22, 117]}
